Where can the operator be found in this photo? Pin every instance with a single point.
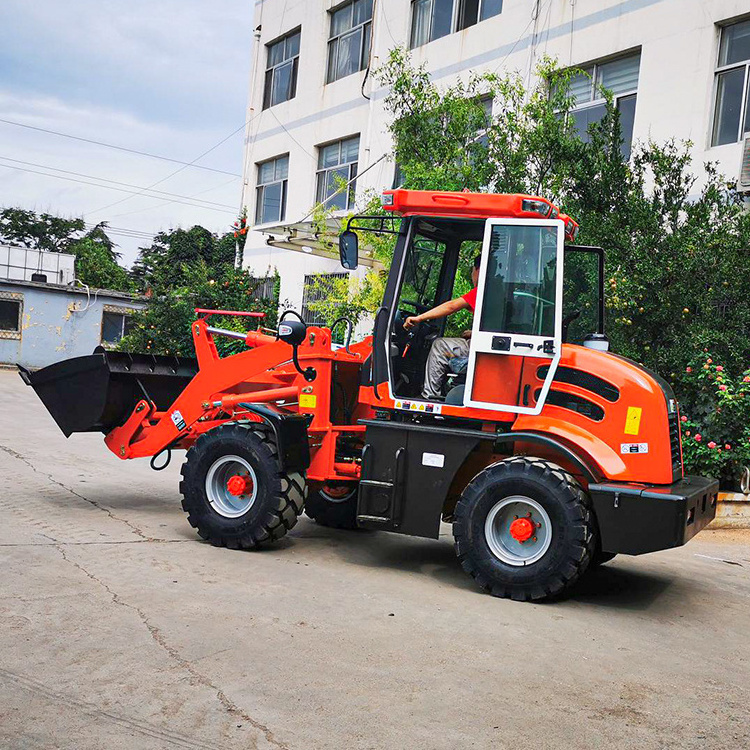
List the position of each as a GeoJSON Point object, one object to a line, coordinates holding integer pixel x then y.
{"type": "Point", "coordinates": [444, 349]}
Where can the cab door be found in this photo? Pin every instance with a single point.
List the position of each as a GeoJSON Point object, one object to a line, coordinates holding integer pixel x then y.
{"type": "Point", "coordinates": [518, 320]}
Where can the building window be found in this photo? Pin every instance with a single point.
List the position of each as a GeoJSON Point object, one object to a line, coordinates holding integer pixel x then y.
{"type": "Point", "coordinates": [318, 288]}
{"type": "Point", "coordinates": [281, 70]}
{"type": "Point", "coordinates": [11, 308]}
{"type": "Point", "coordinates": [732, 113]}
{"type": "Point", "coordinates": [116, 323]}
{"type": "Point", "coordinates": [349, 39]}
{"type": "Point", "coordinates": [431, 19]}
{"type": "Point", "coordinates": [270, 194]}
{"type": "Point", "coordinates": [618, 76]}
{"type": "Point", "coordinates": [337, 166]}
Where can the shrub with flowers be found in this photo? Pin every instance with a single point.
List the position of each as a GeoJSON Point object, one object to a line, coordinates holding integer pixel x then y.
{"type": "Point", "coordinates": [716, 425]}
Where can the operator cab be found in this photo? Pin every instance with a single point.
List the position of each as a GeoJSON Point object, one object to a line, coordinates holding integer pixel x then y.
{"type": "Point", "coordinates": [523, 314]}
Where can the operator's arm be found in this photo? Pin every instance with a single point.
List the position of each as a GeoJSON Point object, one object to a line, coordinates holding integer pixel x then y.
{"type": "Point", "coordinates": [441, 311]}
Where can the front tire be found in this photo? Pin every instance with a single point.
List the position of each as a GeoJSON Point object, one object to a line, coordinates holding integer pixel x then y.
{"type": "Point", "coordinates": [233, 488]}
{"type": "Point", "coordinates": [524, 529]}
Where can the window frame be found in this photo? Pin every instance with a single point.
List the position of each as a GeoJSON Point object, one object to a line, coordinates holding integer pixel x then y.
{"type": "Point", "coordinates": [17, 298]}
{"type": "Point", "coordinates": [321, 174]}
{"type": "Point", "coordinates": [125, 313]}
{"type": "Point", "coordinates": [364, 53]}
{"type": "Point", "coordinates": [260, 188]}
{"type": "Point", "coordinates": [268, 83]}
{"type": "Point", "coordinates": [597, 100]}
{"type": "Point", "coordinates": [458, 9]}
{"type": "Point", "coordinates": [719, 71]}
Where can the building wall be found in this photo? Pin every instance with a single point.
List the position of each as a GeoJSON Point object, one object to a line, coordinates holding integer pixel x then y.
{"type": "Point", "coordinates": [678, 43]}
{"type": "Point", "coordinates": [57, 322]}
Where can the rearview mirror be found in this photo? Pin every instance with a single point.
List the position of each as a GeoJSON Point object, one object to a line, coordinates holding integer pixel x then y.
{"type": "Point", "coordinates": [349, 249]}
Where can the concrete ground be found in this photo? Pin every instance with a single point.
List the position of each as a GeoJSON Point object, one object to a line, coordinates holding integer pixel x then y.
{"type": "Point", "coordinates": [120, 629]}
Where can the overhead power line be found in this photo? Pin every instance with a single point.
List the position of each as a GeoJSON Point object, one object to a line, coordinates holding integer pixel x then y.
{"type": "Point", "coordinates": [177, 171]}
{"type": "Point", "coordinates": [112, 187]}
{"type": "Point", "coordinates": [117, 148]}
{"type": "Point", "coordinates": [104, 179]}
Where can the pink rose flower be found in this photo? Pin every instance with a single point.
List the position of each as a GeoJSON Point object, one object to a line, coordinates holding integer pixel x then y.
{"type": "Point", "coordinates": [698, 437]}
{"type": "Point", "coordinates": [711, 444]}
{"type": "Point", "coordinates": [709, 360]}
{"type": "Point", "coordinates": [723, 387]}
{"type": "Point", "coordinates": [719, 368]}
{"type": "Point", "coordinates": [687, 433]}
{"type": "Point", "coordinates": [683, 418]}
{"type": "Point", "coordinates": [690, 369]}
{"type": "Point", "coordinates": [746, 379]}
{"type": "Point", "coordinates": [728, 447]}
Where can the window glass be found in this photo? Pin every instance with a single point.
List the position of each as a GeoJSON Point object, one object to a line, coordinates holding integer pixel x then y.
{"type": "Point", "coordinates": [626, 108]}
{"type": "Point", "coordinates": [270, 203]}
{"type": "Point", "coordinates": [490, 8]}
{"type": "Point", "coordinates": [730, 87]}
{"type": "Point", "coordinates": [468, 13]}
{"type": "Point", "coordinates": [112, 327]}
{"type": "Point", "coordinates": [442, 18]}
{"type": "Point", "coordinates": [519, 292]}
{"type": "Point", "coordinates": [337, 166]}
{"type": "Point", "coordinates": [349, 39]}
{"type": "Point", "coordinates": [281, 71]}
{"type": "Point", "coordinates": [582, 119]}
{"type": "Point", "coordinates": [735, 43]}
{"type": "Point", "coordinates": [580, 296]}
{"type": "Point", "coordinates": [620, 76]}
{"type": "Point", "coordinates": [581, 87]}
{"type": "Point", "coordinates": [420, 22]}
{"type": "Point", "coordinates": [9, 313]}
{"type": "Point", "coordinates": [424, 262]}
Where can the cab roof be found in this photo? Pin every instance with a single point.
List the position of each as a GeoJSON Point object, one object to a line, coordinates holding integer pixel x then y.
{"type": "Point", "coordinates": [475, 205]}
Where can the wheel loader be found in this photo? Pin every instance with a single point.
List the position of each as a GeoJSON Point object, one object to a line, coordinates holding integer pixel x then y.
{"type": "Point", "coordinates": [548, 453]}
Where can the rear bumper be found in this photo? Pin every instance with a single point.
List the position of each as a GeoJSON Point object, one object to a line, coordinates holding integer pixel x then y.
{"type": "Point", "coordinates": [638, 518]}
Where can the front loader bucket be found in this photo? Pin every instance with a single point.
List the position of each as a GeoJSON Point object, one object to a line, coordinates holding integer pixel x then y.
{"type": "Point", "coordinates": [99, 392]}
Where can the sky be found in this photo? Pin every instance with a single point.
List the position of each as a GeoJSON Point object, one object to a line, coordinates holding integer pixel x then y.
{"type": "Point", "coordinates": [167, 77]}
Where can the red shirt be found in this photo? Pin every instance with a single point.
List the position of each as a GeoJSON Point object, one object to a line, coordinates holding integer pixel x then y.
{"type": "Point", "coordinates": [471, 299]}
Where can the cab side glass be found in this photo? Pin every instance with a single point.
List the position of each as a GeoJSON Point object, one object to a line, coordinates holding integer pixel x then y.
{"type": "Point", "coordinates": [349, 249]}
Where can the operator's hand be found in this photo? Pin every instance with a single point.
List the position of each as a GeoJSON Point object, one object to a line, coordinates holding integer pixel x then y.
{"type": "Point", "coordinates": [466, 335]}
{"type": "Point", "coordinates": [411, 322]}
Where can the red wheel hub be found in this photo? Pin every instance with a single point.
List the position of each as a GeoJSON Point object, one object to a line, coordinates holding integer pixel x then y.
{"type": "Point", "coordinates": [239, 485]}
{"type": "Point", "coordinates": [522, 529]}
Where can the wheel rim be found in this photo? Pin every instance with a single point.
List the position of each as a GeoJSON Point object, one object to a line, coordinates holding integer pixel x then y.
{"type": "Point", "coordinates": [224, 486]}
{"type": "Point", "coordinates": [518, 530]}
{"type": "Point", "coordinates": [337, 494]}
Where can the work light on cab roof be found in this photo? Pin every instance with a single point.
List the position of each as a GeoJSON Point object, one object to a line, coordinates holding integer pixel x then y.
{"type": "Point", "coordinates": [480, 205]}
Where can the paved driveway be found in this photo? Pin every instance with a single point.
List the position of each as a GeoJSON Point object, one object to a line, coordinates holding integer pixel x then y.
{"type": "Point", "coordinates": [120, 629]}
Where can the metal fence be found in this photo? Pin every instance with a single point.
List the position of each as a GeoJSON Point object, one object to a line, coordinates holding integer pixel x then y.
{"type": "Point", "coordinates": [317, 288]}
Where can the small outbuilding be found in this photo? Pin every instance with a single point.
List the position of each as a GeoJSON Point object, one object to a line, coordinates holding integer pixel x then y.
{"type": "Point", "coordinates": [42, 323]}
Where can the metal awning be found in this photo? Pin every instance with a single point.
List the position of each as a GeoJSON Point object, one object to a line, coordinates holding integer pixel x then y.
{"type": "Point", "coordinates": [305, 237]}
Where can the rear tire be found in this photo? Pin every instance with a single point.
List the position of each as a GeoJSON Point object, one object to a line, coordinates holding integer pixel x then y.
{"type": "Point", "coordinates": [548, 500]}
{"type": "Point", "coordinates": [271, 501]}
{"type": "Point", "coordinates": [334, 506]}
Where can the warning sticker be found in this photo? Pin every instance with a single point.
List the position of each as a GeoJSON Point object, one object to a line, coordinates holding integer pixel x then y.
{"type": "Point", "coordinates": [419, 406]}
{"type": "Point", "coordinates": [179, 422]}
{"type": "Point", "coordinates": [308, 400]}
{"type": "Point", "coordinates": [630, 448]}
{"type": "Point", "coordinates": [633, 420]}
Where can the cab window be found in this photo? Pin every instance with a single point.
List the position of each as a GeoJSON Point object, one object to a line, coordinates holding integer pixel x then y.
{"type": "Point", "coordinates": [519, 292]}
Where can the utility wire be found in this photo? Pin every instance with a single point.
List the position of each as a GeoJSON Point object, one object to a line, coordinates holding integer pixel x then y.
{"type": "Point", "coordinates": [166, 203]}
{"type": "Point", "coordinates": [104, 179]}
{"type": "Point", "coordinates": [177, 171]}
{"type": "Point", "coordinates": [117, 148]}
{"type": "Point", "coordinates": [111, 187]}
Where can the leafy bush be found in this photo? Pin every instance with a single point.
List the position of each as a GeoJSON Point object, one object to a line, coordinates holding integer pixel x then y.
{"type": "Point", "coordinates": [716, 429]}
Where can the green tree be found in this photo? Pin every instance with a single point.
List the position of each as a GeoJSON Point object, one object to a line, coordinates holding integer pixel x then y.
{"type": "Point", "coordinates": [187, 269]}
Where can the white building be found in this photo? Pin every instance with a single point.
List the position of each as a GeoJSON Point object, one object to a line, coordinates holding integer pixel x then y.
{"type": "Point", "coordinates": [679, 68]}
